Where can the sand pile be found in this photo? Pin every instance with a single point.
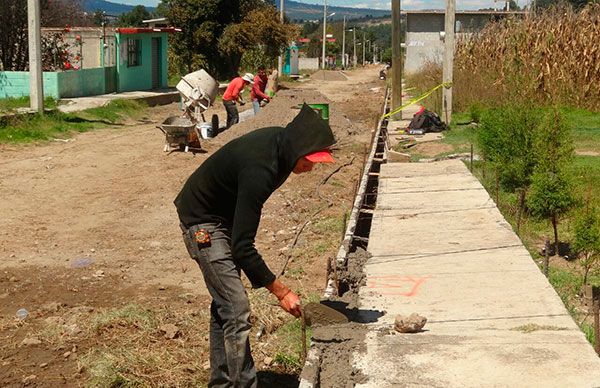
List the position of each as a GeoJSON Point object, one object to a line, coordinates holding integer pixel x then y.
{"type": "Point", "coordinates": [282, 109]}
{"type": "Point", "coordinates": [328, 75]}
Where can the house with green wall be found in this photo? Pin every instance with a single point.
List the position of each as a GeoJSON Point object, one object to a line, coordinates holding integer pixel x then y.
{"type": "Point", "coordinates": [107, 61]}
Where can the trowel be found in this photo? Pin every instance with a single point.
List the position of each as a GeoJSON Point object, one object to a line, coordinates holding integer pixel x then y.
{"type": "Point", "coordinates": [319, 314]}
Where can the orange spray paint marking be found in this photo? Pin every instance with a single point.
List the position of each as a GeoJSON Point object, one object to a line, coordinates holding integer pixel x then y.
{"type": "Point", "coordinates": [396, 284]}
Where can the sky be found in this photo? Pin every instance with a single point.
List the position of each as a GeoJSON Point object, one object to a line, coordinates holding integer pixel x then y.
{"type": "Point", "coordinates": [376, 4]}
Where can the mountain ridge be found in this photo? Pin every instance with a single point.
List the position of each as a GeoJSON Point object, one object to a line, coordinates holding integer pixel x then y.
{"type": "Point", "coordinates": [294, 10]}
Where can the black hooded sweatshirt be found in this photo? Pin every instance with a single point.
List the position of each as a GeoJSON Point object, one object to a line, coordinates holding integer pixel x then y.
{"type": "Point", "coordinates": [232, 185]}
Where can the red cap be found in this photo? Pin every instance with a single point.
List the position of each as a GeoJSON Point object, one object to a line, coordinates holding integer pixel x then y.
{"type": "Point", "coordinates": [320, 157]}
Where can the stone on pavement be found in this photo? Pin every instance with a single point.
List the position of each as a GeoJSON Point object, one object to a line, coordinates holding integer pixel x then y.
{"type": "Point", "coordinates": [409, 324]}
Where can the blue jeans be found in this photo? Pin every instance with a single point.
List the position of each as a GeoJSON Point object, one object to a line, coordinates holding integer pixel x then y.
{"type": "Point", "coordinates": [255, 105]}
{"type": "Point", "coordinates": [231, 362]}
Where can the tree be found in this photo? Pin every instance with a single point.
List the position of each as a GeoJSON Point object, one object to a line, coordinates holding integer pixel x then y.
{"type": "Point", "coordinates": [135, 17]}
{"type": "Point", "coordinates": [309, 28]}
{"type": "Point", "coordinates": [386, 55]}
{"type": "Point", "coordinates": [550, 197]}
{"type": "Point", "coordinates": [260, 27]}
{"type": "Point", "coordinates": [56, 53]}
{"type": "Point", "coordinates": [551, 193]}
{"type": "Point", "coordinates": [99, 18]}
{"type": "Point", "coordinates": [60, 13]}
{"type": "Point", "coordinates": [13, 41]}
{"type": "Point", "coordinates": [586, 240]}
{"type": "Point", "coordinates": [505, 138]}
{"type": "Point", "coordinates": [216, 33]}
{"type": "Point", "coordinates": [14, 49]}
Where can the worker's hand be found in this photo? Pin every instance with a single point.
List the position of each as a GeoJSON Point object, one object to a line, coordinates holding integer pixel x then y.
{"type": "Point", "coordinates": [288, 300]}
{"type": "Point", "coordinates": [291, 304]}
{"type": "Point", "coordinates": [267, 99]}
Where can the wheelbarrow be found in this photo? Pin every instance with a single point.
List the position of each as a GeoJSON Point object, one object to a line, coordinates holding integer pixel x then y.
{"type": "Point", "coordinates": [180, 134]}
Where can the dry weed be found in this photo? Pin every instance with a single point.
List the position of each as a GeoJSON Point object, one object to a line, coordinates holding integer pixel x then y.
{"type": "Point", "coordinates": [548, 58]}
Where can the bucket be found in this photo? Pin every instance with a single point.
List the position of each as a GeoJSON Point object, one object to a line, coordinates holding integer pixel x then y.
{"type": "Point", "coordinates": [206, 130]}
{"type": "Point", "coordinates": [322, 109]}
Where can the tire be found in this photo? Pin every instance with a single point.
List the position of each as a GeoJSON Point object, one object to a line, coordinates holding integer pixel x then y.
{"type": "Point", "coordinates": [215, 124]}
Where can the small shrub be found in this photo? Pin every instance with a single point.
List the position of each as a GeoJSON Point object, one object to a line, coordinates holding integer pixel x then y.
{"type": "Point", "coordinates": [551, 194]}
{"type": "Point", "coordinates": [586, 240]}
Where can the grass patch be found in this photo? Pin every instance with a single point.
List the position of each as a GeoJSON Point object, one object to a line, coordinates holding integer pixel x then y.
{"type": "Point", "coordinates": [11, 104]}
{"type": "Point", "coordinates": [461, 134]}
{"type": "Point", "coordinates": [56, 124]}
{"type": "Point", "coordinates": [130, 315]}
{"type": "Point", "coordinates": [329, 225]}
{"type": "Point", "coordinates": [531, 327]}
{"type": "Point", "coordinates": [288, 355]}
{"type": "Point", "coordinates": [296, 272]}
{"type": "Point", "coordinates": [128, 348]}
{"type": "Point", "coordinates": [586, 175]}
{"type": "Point", "coordinates": [588, 330]}
{"type": "Point", "coordinates": [586, 128]}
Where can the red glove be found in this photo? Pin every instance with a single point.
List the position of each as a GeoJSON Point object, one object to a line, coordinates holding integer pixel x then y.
{"type": "Point", "coordinates": [288, 300]}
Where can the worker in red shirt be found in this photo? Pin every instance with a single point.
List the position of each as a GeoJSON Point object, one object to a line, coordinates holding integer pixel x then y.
{"type": "Point", "coordinates": [257, 93]}
{"type": "Point", "coordinates": [233, 94]}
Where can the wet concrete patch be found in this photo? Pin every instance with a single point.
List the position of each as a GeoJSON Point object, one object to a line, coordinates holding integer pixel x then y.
{"type": "Point", "coordinates": [334, 342]}
{"type": "Point", "coordinates": [337, 345]}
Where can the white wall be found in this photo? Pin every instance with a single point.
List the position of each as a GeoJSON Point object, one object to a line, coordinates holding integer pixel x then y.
{"type": "Point", "coordinates": [308, 63]}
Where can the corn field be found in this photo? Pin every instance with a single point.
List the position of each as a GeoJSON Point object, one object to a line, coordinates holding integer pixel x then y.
{"type": "Point", "coordinates": [549, 58]}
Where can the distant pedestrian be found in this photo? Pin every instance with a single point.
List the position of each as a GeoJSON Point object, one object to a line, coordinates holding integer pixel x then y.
{"type": "Point", "coordinates": [273, 83]}
{"type": "Point", "coordinates": [233, 94]}
{"type": "Point", "coordinates": [257, 93]}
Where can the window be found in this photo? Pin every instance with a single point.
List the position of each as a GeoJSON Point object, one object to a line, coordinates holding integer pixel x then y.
{"type": "Point", "coordinates": [134, 52]}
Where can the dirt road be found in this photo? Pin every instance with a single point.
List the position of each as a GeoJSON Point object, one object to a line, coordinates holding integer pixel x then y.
{"type": "Point", "coordinates": [88, 226]}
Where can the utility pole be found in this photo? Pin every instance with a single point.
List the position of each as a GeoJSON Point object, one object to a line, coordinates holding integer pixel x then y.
{"type": "Point", "coordinates": [396, 59]}
{"type": "Point", "coordinates": [36, 87]}
{"type": "Point", "coordinates": [448, 59]}
{"type": "Point", "coordinates": [364, 48]}
{"type": "Point", "coordinates": [354, 51]}
{"type": "Point", "coordinates": [344, 44]}
{"type": "Point", "coordinates": [324, 33]}
{"type": "Point", "coordinates": [280, 58]}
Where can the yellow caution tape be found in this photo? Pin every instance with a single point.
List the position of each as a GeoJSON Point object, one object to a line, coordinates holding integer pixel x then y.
{"type": "Point", "coordinates": [415, 100]}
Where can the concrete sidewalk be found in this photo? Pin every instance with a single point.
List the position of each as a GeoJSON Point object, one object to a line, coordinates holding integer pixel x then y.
{"type": "Point", "coordinates": [441, 248]}
{"type": "Point", "coordinates": [153, 97]}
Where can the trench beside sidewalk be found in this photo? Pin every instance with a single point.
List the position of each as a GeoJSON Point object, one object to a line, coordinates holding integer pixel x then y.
{"type": "Point", "coordinates": [441, 248]}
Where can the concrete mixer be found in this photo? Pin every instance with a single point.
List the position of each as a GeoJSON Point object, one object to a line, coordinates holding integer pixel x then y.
{"type": "Point", "coordinates": [198, 92]}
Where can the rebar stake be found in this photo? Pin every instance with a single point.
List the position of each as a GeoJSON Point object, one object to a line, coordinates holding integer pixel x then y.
{"type": "Point", "coordinates": [303, 321]}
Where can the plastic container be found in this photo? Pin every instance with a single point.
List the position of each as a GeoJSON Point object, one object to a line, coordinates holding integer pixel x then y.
{"type": "Point", "coordinates": [22, 314]}
{"type": "Point", "coordinates": [206, 130]}
{"type": "Point", "coordinates": [322, 109]}
{"type": "Point", "coordinates": [82, 262]}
